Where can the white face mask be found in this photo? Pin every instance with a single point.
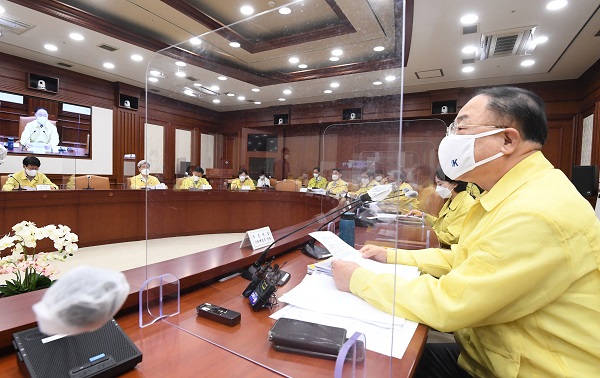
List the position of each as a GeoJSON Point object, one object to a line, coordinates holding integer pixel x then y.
{"type": "Point", "coordinates": [378, 178]}
{"type": "Point", "coordinates": [196, 178]}
{"type": "Point", "coordinates": [242, 178]}
{"type": "Point", "coordinates": [457, 153]}
{"type": "Point", "coordinates": [315, 175]}
{"type": "Point", "coordinates": [145, 171]}
{"type": "Point", "coordinates": [335, 177]}
{"type": "Point", "coordinates": [31, 172]}
{"type": "Point", "coordinates": [262, 177]}
{"type": "Point", "coordinates": [365, 181]}
{"type": "Point", "coordinates": [42, 120]}
{"type": "Point", "coordinates": [443, 191]}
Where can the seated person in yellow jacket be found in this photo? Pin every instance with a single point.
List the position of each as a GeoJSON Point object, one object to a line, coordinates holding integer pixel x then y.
{"type": "Point", "coordinates": [367, 181]}
{"type": "Point", "coordinates": [29, 177]}
{"type": "Point", "coordinates": [380, 178]}
{"type": "Point", "coordinates": [195, 181]}
{"type": "Point", "coordinates": [397, 200]}
{"type": "Point", "coordinates": [144, 179]}
{"type": "Point", "coordinates": [317, 181]}
{"type": "Point", "coordinates": [337, 187]}
{"type": "Point", "coordinates": [448, 223]}
{"type": "Point", "coordinates": [243, 182]}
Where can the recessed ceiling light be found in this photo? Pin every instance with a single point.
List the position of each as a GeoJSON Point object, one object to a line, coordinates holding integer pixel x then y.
{"type": "Point", "coordinates": [230, 94]}
{"type": "Point", "coordinates": [377, 82]}
{"type": "Point", "coordinates": [541, 39]}
{"type": "Point", "coordinates": [76, 36]}
{"type": "Point", "coordinates": [287, 91]}
{"type": "Point", "coordinates": [334, 85]}
{"type": "Point", "coordinates": [180, 64]}
{"type": "Point", "coordinates": [378, 48]}
{"type": "Point", "coordinates": [334, 58]}
{"type": "Point", "coordinates": [468, 69]}
{"type": "Point", "coordinates": [109, 65]}
{"type": "Point", "coordinates": [189, 92]}
{"type": "Point", "coordinates": [285, 10]}
{"type": "Point", "coordinates": [222, 78]}
{"type": "Point", "coordinates": [469, 49]}
{"type": "Point", "coordinates": [528, 62]}
{"type": "Point", "coordinates": [327, 91]}
{"type": "Point", "coordinates": [293, 60]}
{"type": "Point", "coordinates": [234, 44]}
{"type": "Point", "coordinates": [2, 10]}
{"type": "Point", "coordinates": [152, 79]}
{"type": "Point", "coordinates": [281, 99]}
{"type": "Point", "coordinates": [257, 102]}
{"type": "Point", "coordinates": [195, 41]}
{"type": "Point", "coordinates": [197, 85]}
{"type": "Point", "coordinates": [556, 4]}
{"type": "Point", "coordinates": [337, 52]}
{"type": "Point", "coordinates": [469, 19]}
{"type": "Point", "coordinates": [241, 98]}
{"type": "Point", "coordinates": [390, 78]}
{"type": "Point", "coordinates": [137, 57]}
{"type": "Point", "coordinates": [216, 101]}
{"type": "Point", "coordinates": [156, 73]}
{"type": "Point", "coordinates": [247, 10]}
{"type": "Point", "coordinates": [180, 73]}
{"type": "Point", "coordinates": [302, 66]}
{"type": "Point", "coordinates": [214, 88]}
{"type": "Point", "coordinates": [255, 90]}
{"type": "Point", "coordinates": [50, 47]}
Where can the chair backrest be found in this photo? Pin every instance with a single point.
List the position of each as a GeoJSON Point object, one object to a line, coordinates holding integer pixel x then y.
{"type": "Point", "coordinates": [23, 121]}
{"type": "Point", "coordinates": [96, 182]}
{"type": "Point", "coordinates": [3, 179]}
{"type": "Point", "coordinates": [288, 186]}
{"type": "Point", "coordinates": [272, 182]}
{"type": "Point", "coordinates": [178, 182]}
{"type": "Point", "coordinates": [352, 187]}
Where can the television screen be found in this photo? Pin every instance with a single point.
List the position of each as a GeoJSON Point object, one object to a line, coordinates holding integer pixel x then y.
{"type": "Point", "coordinates": [262, 142]}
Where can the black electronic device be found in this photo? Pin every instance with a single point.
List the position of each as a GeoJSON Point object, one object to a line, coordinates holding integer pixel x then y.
{"type": "Point", "coordinates": [297, 336]}
{"type": "Point", "coordinates": [219, 314]}
{"type": "Point", "coordinates": [315, 251]}
{"type": "Point", "coordinates": [261, 291]}
{"type": "Point", "coordinates": [106, 352]}
{"type": "Point", "coordinates": [585, 179]}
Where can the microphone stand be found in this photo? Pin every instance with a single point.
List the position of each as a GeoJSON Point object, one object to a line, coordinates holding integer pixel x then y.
{"type": "Point", "coordinates": [88, 187]}
{"type": "Point", "coordinates": [13, 177]}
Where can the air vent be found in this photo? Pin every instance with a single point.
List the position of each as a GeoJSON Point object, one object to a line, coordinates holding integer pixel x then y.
{"type": "Point", "coordinates": [154, 90]}
{"type": "Point", "coordinates": [13, 25]}
{"type": "Point", "coordinates": [468, 61]}
{"type": "Point", "coordinates": [514, 42]}
{"type": "Point", "coordinates": [471, 29]}
{"type": "Point", "coordinates": [429, 74]}
{"type": "Point", "coordinates": [191, 78]}
{"type": "Point", "coordinates": [65, 64]}
{"type": "Point", "coordinates": [108, 47]}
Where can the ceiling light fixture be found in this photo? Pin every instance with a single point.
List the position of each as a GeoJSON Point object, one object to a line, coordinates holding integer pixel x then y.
{"type": "Point", "coordinates": [468, 69]}
{"type": "Point", "coordinates": [222, 78]}
{"type": "Point", "coordinates": [390, 78]}
{"type": "Point", "coordinates": [50, 47]}
{"type": "Point", "coordinates": [2, 10]}
{"type": "Point", "coordinates": [197, 85]}
{"type": "Point", "coordinates": [180, 64]}
{"type": "Point", "coordinates": [528, 62]}
{"type": "Point", "coordinates": [137, 57]}
{"type": "Point", "coordinates": [247, 10]}
{"type": "Point", "coordinates": [216, 101]}
{"type": "Point", "coordinates": [302, 66]}
{"type": "Point", "coordinates": [469, 49]}
{"type": "Point", "coordinates": [109, 65]}
{"type": "Point", "coordinates": [257, 102]}
{"type": "Point", "coordinates": [241, 98]}
{"type": "Point", "coordinates": [337, 52]}
{"type": "Point", "coordinates": [469, 19]}
{"type": "Point", "coordinates": [214, 88]}
{"type": "Point", "coordinates": [76, 36]}
{"type": "Point", "coordinates": [287, 91]}
{"type": "Point", "coordinates": [378, 48]}
{"type": "Point", "coordinates": [195, 41]}
{"type": "Point", "coordinates": [235, 45]}
{"type": "Point", "coordinates": [334, 85]}
{"type": "Point", "coordinates": [556, 4]}
{"type": "Point", "coordinates": [294, 60]}
{"type": "Point", "coordinates": [328, 91]}
{"type": "Point", "coordinates": [153, 79]}
{"type": "Point", "coordinates": [156, 73]}
{"type": "Point", "coordinates": [334, 58]}
{"type": "Point", "coordinates": [285, 10]}
{"type": "Point", "coordinates": [377, 82]}
{"type": "Point", "coordinates": [180, 73]}
{"type": "Point", "coordinates": [230, 94]}
{"type": "Point", "coordinates": [255, 90]}
{"type": "Point", "coordinates": [541, 39]}
{"type": "Point", "coordinates": [281, 99]}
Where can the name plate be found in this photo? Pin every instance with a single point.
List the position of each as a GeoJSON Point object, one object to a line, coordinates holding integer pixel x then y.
{"type": "Point", "coordinates": [246, 187]}
{"type": "Point", "coordinates": [43, 187]}
{"type": "Point", "coordinates": [259, 238]}
{"type": "Point", "coordinates": [206, 187]}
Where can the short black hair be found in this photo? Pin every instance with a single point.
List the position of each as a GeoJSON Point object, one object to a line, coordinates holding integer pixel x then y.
{"type": "Point", "coordinates": [461, 186]}
{"type": "Point", "coordinates": [317, 168]}
{"type": "Point", "coordinates": [379, 171]}
{"type": "Point", "coordinates": [521, 106]}
{"type": "Point", "coordinates": [336, 169]}
{"type": "Point", "coordinates": [199, 169]}
{"type": "Point", "coordinates": [242, 171]}
{"type": "Point", "coordinates": [261, 172]}
{"type": "Point", "coordinates": [31, 160]}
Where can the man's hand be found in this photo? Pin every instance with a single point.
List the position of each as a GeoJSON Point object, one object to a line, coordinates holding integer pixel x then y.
{"type": "Point", "coordinates": [342, 272]}
{"type": "Point", "coordinates": [374, 252]}
{"type": "Point", "coordinates": [415, 213]}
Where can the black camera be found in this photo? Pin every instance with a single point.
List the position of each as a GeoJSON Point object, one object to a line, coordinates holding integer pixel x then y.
{"type": "Point", "coordinates": [261, 291]}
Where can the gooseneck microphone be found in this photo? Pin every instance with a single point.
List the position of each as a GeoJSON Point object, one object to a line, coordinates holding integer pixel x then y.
{"type": "Point", "coordinates": [88, 180]}
{"type": "Point", "coordinates": [17, 181]}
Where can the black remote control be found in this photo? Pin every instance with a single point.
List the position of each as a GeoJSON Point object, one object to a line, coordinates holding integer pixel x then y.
{"type": "Point", "coordinates": [219, 314]}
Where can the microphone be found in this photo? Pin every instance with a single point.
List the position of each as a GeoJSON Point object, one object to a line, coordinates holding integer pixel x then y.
{"type": "Point", "coordinates": [12, 176]}
{"type": "Point", "coordinates": [88, 187]}
{"type": "Point", "coordinates": [377, 193]}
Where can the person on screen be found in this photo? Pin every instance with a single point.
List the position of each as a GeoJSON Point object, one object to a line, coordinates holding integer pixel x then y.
{"type": "Point", "coordinates": [397, 201]}
{"type": "Point", "coordinates": [243, 182]}
{"type": "Point", "coordinates": [144, 179]}
{"type": "Point", "coordinates": [521, 289]}
{"type": "Point", "coordinates": [29, 178]}
{"type": "Point", "coordinates": [195, 181]}
{"type": "Point", "coordinates": [41, 130]}
{"type": "Point", "coordinates": [422, 182]}
{"type": "Point", "coordinates": [367, 181]}
{"type": "Point", "coordinates": [263, 181]}
{"type": "Point", "coordinates": [317, 181]}
{"type": "Point", "coordinates": [379, 177]}
{"type": "Point", "coordinates": [337, 187]}
{"type": "Point", "coordinates": [448, 223]}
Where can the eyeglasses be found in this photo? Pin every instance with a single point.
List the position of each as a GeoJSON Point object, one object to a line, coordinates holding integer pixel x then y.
{"type": "Point", "coordinates": [453, 128]}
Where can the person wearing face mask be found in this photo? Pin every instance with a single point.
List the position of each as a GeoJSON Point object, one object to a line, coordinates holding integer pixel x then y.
{"type": "Point", "coordinates": [367, 181]}
{"type": "Point", "coordinates": [337, 187]}
{"type": "Point", "coordinates": [243, 182]}
{"type": "Point", "coordinates": [263, 181]}
{"type": "Point", "coordinates": [144, 178]}
{"type": "Point", "coordinates": [396, 201]}
{"type": "Point", "coordinates": [448, 224]}
{"type": "Point", "coordinates": [380, 178]}
{"type": "Point", "coordinates": [195, 181]}
{"type": "Point", "coordinates": [41, 130]}
{"type": "Point", "coordinates": [29, 177]}
{"type": "Point", "coordinates": [317, 181]}
{"type": "Point", "coordinates": [520, 289]}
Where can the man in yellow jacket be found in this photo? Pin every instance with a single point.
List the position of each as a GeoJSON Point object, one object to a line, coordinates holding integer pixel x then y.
{"type": "Point", "coordinates": [337, 187]}
{"type": "Point", "coordinates": [196, 181]}
{"type": "Point", "coordinates": [30, 177]}
{"type": "Point", "coordinates": [521, 289]}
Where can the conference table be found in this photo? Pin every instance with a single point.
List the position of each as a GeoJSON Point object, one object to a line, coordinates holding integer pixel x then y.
{"type": "Point", "coordinates": [186, 345]}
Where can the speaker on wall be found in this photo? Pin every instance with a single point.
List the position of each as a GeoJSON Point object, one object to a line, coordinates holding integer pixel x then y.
{"type": "Point", "coordinates": [585, 179]}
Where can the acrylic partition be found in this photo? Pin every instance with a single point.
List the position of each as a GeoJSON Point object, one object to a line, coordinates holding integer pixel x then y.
{"type": "Point", "coordinates": [258, 133]}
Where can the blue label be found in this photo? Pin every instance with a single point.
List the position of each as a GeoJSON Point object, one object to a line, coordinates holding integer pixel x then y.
{"type": "Point", "coordinates": [101, 355]}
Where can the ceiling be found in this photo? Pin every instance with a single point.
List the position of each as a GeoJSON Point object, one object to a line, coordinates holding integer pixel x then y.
{"type": "Point", "coordinates": [259, 69]}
